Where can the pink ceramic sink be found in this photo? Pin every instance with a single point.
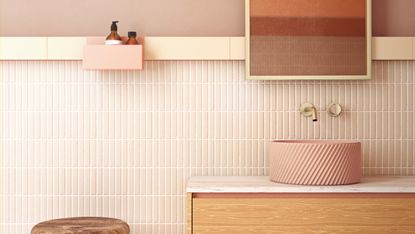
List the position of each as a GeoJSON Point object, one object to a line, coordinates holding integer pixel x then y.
{"type": "Point", "coordinates": [315, 162]}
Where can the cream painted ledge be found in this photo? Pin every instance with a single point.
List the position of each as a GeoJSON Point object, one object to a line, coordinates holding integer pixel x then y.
{"type": "Point", "coordinates": [175, 48]}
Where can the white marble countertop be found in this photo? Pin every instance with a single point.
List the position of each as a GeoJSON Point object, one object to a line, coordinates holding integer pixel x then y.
{"type": "Point", "coordinates": [262, 184]}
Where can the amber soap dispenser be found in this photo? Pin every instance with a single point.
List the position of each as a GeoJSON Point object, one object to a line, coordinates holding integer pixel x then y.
{"type": "Point", "coordinates": [113, 38]}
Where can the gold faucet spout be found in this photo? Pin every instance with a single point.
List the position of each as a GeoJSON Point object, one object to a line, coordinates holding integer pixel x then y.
{"type": "Point", "coordinates": [309, 110]}
{"type": "Point", "coordinates": [314, 114]}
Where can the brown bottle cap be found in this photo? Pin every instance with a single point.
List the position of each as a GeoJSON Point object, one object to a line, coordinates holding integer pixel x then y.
{"type": "Point", "coordinates": [132, 34]}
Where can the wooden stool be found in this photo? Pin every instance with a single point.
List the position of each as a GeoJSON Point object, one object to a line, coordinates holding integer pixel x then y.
{"type": "Point", "coordinates": [87, 225]}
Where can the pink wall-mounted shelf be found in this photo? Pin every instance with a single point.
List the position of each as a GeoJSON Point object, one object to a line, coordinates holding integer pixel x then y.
{"type": "Point", "coordinates": [98, 56]}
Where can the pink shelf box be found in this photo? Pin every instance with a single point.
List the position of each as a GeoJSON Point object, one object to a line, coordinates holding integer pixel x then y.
{"type": "Point", "coordinates": [98, 56]}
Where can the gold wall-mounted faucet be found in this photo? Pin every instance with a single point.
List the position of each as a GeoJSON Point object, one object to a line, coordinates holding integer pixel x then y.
{"type": "Point", "coordinates": [309, 110]}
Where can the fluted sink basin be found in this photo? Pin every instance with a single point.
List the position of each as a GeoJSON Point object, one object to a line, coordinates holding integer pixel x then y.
{"type": "Point", "coordinates": [315, 162]}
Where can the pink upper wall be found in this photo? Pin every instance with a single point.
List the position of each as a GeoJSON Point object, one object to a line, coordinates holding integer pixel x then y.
{"type": "Point", "coordinates": [163, 17]}
{"type": "Point", "coordinates": [393, 17]}
{"type": "Point", "coordinates": [147, 17]}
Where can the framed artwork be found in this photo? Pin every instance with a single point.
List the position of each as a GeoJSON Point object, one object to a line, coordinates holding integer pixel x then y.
{"type": "Point", "coordinates": [308, 39]}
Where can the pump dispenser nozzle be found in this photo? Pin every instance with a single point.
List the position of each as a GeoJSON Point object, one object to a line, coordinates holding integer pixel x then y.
{"type": "Point", "coordinates": [114, 26]}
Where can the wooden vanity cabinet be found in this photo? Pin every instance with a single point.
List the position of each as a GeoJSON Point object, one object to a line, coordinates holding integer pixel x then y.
{"type": "Point", "coordinates": [300, 213]}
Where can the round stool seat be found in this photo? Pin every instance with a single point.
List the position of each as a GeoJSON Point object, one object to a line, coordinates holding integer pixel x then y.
{"type": "Point", "coordinates": [90, 225]}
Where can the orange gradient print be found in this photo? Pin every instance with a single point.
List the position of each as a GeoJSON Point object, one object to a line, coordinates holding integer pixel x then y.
{"type": "Point", "coordinates": [308, 37]}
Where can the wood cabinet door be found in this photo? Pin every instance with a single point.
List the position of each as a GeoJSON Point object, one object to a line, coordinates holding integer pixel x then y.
{"type": "Point", "coordinates": [303, 215]}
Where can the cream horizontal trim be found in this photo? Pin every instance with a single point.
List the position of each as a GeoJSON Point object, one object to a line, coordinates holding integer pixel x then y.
{"type": "Point", "coordinates": [175, 48]}
{"type": "Point", "coordinates": [237, 48]}
{"type": "Point", "coordinates": [185, 48]}
{"type": "Point", "coordinates": [67, 48]}
{"type": "Point", "coordinates": [23, 48]}
{"type": "Point", "coordinates": [393, 48]}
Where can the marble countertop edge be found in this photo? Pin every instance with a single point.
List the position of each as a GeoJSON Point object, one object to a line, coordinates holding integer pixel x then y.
{"type": "Point", "coordinates": [262, 184]}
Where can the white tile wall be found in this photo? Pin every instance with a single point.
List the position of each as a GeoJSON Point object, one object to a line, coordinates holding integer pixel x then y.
{"type": "Point", "coordinates": [122, 144]}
